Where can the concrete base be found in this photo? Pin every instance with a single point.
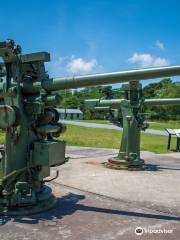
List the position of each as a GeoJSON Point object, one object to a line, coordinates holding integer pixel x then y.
{"type": "Point", "coordinates": [97, 203]}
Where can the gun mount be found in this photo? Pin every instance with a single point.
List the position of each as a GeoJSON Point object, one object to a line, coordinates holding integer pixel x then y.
{"type": "Point", "coordinates": [31, 123]}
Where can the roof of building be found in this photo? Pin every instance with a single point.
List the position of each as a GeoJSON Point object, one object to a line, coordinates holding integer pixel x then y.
{"type": "Point", "coordinates": [68, 110]}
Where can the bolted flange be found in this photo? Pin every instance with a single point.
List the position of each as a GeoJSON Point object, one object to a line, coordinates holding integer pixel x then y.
{"type": "Point", "coordinates": [126, 164]}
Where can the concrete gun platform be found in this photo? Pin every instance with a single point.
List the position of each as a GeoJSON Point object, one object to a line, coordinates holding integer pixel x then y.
{"type": "Point", "coordinates": [96, 203]}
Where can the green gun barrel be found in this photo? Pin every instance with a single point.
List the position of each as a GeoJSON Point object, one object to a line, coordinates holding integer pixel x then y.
{"type": "Point", "coordinates": [110, 78]}
{"type": "Point", "coordinates": [162, 101]}
{"type": "Point", "coordinates": [90, 103]}
{"type": "Point", "coordinates": [111, 102]}
{"type": "Point", "coordinates": [102, 108]}
{"type": "Point", "coordinates": [147, 102]}
{"type": "Point", "coordinates": [63, 83]}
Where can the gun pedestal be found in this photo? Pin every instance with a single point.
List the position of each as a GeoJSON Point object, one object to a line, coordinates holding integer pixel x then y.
{"type": "Point", "coordinates": [125, 113]}
{"type": "Point", "coordinates": [133, 123]}
{"type": "Point", "coordinates": [129, 153]}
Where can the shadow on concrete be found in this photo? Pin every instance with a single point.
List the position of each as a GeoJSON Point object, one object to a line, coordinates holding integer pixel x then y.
{"type": "Point", "coordinates": [152, 167]}
{"type": "Point", "coordinates": [169, 168]}
{"type": "Point", "coordinates": [68, 205]}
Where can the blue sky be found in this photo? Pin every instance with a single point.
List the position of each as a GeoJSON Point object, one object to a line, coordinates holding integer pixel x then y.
{"type": "Point", "coordinates": [95, 36]}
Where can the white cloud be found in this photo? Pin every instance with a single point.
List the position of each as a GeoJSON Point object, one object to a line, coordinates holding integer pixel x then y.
{"type": "Point", "coordinates": [159, 44]}
{"type": "Point", "coordinates": [148, 60]}
{"type": "Point", "coordinates": [79, 65]}
{"type": "Point", "coordinates": [65, 65]}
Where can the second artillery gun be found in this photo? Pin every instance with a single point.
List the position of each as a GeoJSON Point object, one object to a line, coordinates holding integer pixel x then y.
{"type": "Point", "coordinates": [31, 124]}
{"type": "Point", "coordinates": [128, 113]}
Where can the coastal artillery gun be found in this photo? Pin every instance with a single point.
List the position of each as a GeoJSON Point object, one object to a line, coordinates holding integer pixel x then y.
{"type": "Point", "coordinates": [128, 113]}
{"type": "Point", "coordinates": [30, 122]}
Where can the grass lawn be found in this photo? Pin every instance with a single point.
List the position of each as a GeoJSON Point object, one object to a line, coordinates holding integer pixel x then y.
{"type": "Point", "coordinates": [163, 125]}
{"type": "Point", "coordinates": [1, 137]}
{"type": "Point", "coordinates": [94, 121]}
{"type": "Point", "coordinates": [107, 138]}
